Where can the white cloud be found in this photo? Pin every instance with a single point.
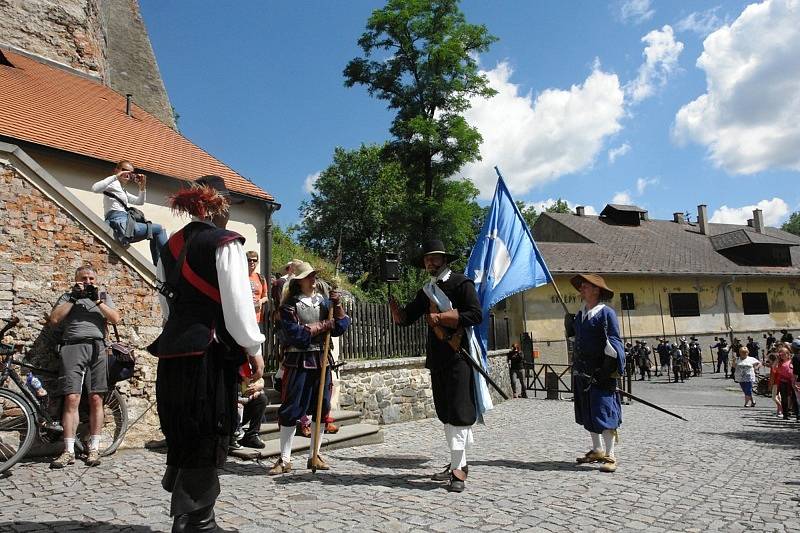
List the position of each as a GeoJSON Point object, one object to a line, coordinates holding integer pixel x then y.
{"type": "Point", "coordinates": [542, 205]}
{"type": "Point", "coordinates": [619, 151]}
{"type": "Point", "coordinates": [622, 197]}
{"type": "Point", "coordinates": [643, 183]}
{"type": "Point", "coordinates": [310, 182]}
{"type": "Point", "coordinates": [775, 212]}
{"type": "Point", "coordinates": [660, 60]}
{"type": "Point", "coordinates": [700, 22]}
{"type": "Point", "coordinates": [534, 141]}
{"type": "Point", "coordinates": [748, 117]}
{"type": "Point", "coordinates": [636, 11]}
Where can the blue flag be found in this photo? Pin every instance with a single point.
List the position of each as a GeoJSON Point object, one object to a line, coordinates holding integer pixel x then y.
{"type": "Point", "coordinates": [505, 259]}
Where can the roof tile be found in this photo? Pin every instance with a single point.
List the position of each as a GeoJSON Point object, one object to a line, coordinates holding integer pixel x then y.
{"type": "Point", "coordinates": [47, 105]}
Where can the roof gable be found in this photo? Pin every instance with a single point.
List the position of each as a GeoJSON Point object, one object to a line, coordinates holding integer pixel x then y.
{"type": "Point", "coordinates": [50, 106]}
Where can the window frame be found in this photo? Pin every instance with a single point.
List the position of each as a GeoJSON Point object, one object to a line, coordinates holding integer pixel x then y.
{"type": "Point", "coordinates": [685, 311]}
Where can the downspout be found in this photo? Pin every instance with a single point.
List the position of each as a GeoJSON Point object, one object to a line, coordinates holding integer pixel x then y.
{"type": "Point", "coordinates": [727, 316]}
{"type": "Point", "coordinates": [266, 265]}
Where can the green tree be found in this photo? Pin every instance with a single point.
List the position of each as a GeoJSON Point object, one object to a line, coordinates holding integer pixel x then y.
{"type": "Point", "coordinates": [530, 214]}
{"type": "Point", "coordinates": [419, 56]}
{"type": "Point", "coordinates": [793, 224]}
{"type": "Point", "coordinates": [356, 204]}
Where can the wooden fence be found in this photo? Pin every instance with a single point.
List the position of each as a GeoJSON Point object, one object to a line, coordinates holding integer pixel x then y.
{"type": "Point", "coordinates": [373, 335]}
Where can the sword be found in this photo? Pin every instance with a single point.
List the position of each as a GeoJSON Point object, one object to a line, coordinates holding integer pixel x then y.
{"type": "Point", "coordinates": [482, 372]}
{"type": "Point", "coordinates": [632, 397]}
{"type": "Point", "coordinates": [654, 406]}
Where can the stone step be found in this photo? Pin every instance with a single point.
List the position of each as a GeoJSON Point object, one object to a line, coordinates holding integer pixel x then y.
{"type": "Point", "coordinates": [270, 430]}
{"type": "Point", "coordinates": [348, 436]}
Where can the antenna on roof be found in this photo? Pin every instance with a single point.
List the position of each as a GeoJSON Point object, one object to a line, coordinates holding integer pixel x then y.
{"type": "Point", "coordinates": [128, 98]}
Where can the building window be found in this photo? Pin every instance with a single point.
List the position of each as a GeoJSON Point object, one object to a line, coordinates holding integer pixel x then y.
{"type": "Point", "coordinates": [755, 303]}
{"type": "Point", "coordinates": [684, 304]}
{"type": "Point", "coordinates": [627, 301]}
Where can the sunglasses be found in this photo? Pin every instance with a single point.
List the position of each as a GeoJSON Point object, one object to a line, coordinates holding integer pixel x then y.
{"type": "Point", "coordinates": [252, 260]}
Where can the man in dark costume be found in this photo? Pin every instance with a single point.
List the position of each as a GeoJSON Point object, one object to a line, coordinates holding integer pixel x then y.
{"type": "Point", "coordinates": [599, 362]}
{"type": "Point", "coordinates": [452, 378]}
{"type": "Point", "coordinates": [210, 330]}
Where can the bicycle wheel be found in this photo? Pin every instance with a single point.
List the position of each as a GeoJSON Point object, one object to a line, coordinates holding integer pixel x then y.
{"type": "Point", "coordinates": [17, 428]}
{"type": "Point", "coordinates": [115, 424]}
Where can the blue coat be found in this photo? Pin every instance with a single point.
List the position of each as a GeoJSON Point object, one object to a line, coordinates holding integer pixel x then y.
{"type": "Point", "coordinates": [597, 405]}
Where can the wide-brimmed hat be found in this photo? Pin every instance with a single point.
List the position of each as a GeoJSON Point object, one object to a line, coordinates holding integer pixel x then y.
{"type": "Point", "coordinates": [433, 246]}
{"type": "Point", "coordinates": [594, 279]}
{"type": "Point", "coordinates": [303, 270]}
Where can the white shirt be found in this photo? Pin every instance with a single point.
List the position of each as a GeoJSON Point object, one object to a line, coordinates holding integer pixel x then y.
{"type": "Point", "coordinates": [745, 370]}
{"type": "Point", "coordinates": [112, 185]}
{"type": "Point", "coordinates": [235, 295]}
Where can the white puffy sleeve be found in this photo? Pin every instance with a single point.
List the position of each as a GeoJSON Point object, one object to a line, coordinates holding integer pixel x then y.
{"type": "Point", "coordinates": [237, 298]}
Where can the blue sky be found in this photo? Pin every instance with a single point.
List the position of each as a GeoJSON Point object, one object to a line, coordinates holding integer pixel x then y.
{"type": "Point", "coordinates": [657, 103]}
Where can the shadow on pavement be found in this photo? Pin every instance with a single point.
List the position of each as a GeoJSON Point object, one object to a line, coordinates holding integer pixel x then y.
{"type": "Point", "coordinates": [393, 461]}
{"type": "Point", "coordinates": [74, 525]}
{"type": "Point", "coordinates": [537, 466]}
{"type": "Point", "coordinates": [763, 436]}
{"type": "Point", "coordinates": [332, 477]}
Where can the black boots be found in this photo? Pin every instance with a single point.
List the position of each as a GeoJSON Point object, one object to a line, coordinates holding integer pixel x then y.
{"type": "Point", "coordinates": [200, 521]}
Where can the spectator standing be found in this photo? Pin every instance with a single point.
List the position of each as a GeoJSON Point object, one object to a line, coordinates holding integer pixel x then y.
{"type": "Point", "coordinates": [745, 372]}
{"type": "Point", "coordinates": [786, 336]}
{"type": "Point", "coordinates": [796, 369]}
{"type": "Point", "coordinates": [84, 313]}
{"type": "Point", "coordinates": [115, 206]}
{"type": "Point", "coordinates": [258, 285]}
{"type": "Point", "coordinates": [515, 366]}
{"type": "Point", "coordinates": [773, 363]}
{"type": "Point", "coordinates": [785, 379]}
{"type": "Point", "coordinates": [722, 354]}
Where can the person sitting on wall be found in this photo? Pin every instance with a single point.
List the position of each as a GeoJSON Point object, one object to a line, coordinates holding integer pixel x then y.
{"type": "Point", "coordinates": [116, 202]}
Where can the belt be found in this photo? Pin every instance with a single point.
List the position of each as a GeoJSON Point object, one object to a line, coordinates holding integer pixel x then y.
{"type": "Point", "coordinates": [80, 341]}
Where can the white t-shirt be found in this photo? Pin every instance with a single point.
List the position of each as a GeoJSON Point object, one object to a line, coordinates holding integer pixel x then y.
{"type": "Point", "coordinates": [745, 370]}
{"type": "Point", "coordinates": [112, 185]}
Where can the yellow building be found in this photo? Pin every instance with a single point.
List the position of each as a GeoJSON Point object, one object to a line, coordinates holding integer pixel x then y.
{"type": "Point", "coordinates": [670, 277]}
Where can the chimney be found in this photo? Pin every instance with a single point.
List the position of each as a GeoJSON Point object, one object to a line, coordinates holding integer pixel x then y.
{"type": "Point", "coordinates": [580, 211]}
{"type": "Point", "coordinates": [758, 220]}
{"type": "Point", "coordinates": [702, 218]}
{"type": "Point", "coordinates": [128, 104]}
{"type": "Point", "coordinates": [677, 218]}
{"type": "Point", "coordinates": [750, 222]}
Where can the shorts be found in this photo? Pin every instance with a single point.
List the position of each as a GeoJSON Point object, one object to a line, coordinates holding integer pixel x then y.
{"type": "Point", "coordinates": [747, 387]}
{"type": "Point", "coordinates": [83, 367]}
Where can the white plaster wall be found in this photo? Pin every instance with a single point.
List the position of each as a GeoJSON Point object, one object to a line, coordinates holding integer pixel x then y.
{"type": "Point", "coordinates": [78, 174]}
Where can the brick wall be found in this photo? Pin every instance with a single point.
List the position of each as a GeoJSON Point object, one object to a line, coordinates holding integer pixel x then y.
{"type": "Point", "coordinates": [40, 247]}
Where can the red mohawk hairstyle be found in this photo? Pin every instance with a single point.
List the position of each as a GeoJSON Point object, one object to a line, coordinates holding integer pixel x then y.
{"type": "Point", "coordinates": [200, 201]}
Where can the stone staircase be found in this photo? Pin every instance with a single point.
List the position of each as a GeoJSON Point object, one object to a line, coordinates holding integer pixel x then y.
{"type": "Point", "coordinates": [352, 432]}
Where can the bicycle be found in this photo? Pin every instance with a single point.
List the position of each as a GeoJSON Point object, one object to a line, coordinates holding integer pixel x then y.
{"type": "Point", "coordinates": [23, 418]}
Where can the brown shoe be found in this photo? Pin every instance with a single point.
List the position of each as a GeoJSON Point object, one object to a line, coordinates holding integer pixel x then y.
{"type": "Point", "coordinates": [609, 464]}
{"type": "Point", "coordinates": [279, 468]}
{"type": "Point", "coordinates": [63, 460]}
{"type": "Point", "coordinates": [319, 464]}
{"type": "Point", "coordinates": [305, 431]}
{"type": "Point", "coordinates": [93, 459]}
{"type": "Point", "coordinates": [591, 456]}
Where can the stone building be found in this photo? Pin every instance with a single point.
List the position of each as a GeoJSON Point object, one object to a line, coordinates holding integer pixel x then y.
{"type": "Point", "coordinates": [671, 277]}
{"type": "Point", "coordinates": [103, 39]}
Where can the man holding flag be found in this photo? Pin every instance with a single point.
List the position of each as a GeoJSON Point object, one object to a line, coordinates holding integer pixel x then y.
{"type": "Point", "coordinates": [451, 308]}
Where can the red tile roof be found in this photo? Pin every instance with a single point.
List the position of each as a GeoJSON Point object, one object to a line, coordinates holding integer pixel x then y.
{"type": "Point", "coordinates": [47, 105]}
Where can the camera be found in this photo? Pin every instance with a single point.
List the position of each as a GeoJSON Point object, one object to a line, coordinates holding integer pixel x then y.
{"type": "Point", "coordinates": [86, 291]}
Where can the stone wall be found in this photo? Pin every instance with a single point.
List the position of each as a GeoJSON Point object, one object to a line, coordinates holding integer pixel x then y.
{"type": "Point", "coordinates": [41, 245]}
{"type": "Point", "coordinates": [399, 390]}
{"type": "Point", "coordinates": [102, 38]}
{"type": "Point", "coordinates": [66, 31]}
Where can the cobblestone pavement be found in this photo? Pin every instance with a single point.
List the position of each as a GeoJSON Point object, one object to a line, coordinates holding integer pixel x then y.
{"type": "Point", "coordinates": [728, 469]}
